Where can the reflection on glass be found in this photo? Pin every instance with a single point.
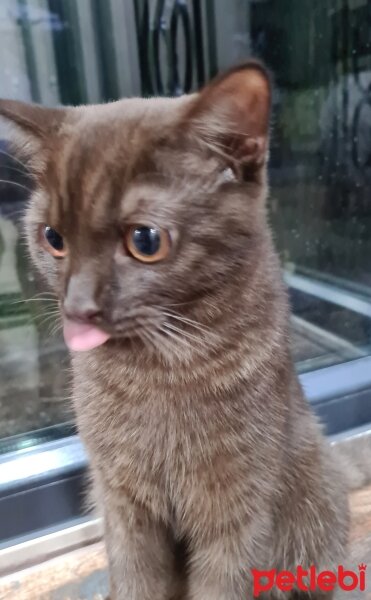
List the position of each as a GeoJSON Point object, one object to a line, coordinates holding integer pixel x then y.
{"type": "Point", "coordinates": [320, 53]}
{"type": "Point", "coordinates": [33, 361]}
{"type": "Point", "coordinates": [57, 51]}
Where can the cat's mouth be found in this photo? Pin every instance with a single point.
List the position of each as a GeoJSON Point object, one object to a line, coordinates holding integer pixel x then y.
{"type": "Point", "coordinates": [80, 337]}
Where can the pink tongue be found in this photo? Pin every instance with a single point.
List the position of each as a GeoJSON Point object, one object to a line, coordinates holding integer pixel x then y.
{"type": "Point", "coordinates": [79, 337]}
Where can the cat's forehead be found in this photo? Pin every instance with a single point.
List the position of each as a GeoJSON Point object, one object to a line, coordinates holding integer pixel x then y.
{"type": "Point", "coordinates": [142, 115]}
{"type": "Point", "coordinates": [105, 150]}
{"type": "Point", "coordinates": [109, 133]}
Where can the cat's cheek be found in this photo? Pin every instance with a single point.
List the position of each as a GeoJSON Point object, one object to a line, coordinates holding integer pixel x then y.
{"type": "Point", "coordinates": [41, 261]}
{"type": "Point", "coordinates": [50, 269]}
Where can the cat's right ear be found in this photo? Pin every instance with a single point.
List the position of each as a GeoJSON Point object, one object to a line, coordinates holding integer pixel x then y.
{"type": "Point", "coordinates": [231, 115]}
{"type": "Point", "coordinates": [31, 130]}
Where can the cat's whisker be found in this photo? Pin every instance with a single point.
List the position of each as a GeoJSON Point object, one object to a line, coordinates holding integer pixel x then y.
{"type": "Point", "coordinates": [206, 340]}
{"type": "Point", "coordinates": [147, 340]}
{"type": "Point", "coordinates": [15, 159]}
{"type": "Point", "coordinates": [53, 323]}
{"type": "Point", "coordinates": [43, 296]}
{"type": "Point", "coordinates": [182, 333]}
{"type": "Point", "coordinates": [178, 335]}
{"type": "Point", "coordinates": [52, 330]}
{"type": "Point", "coordinates": [218, 149]}
{"type": "Point", "coordinates": [27, 300]}
{"type": "Point", "coordinates": [11, 168]}
{"type": "Point", "coordinates": [45, 293]}
{"type": "Point", "coordinates": [58, 327]}
{"type": "Point", "coordinates": [202, 328]}
{"type": "Point", "coordinates": [165, 345]}
{"type": "Point", "coordinates": [45, 319]}
{"type": "Point", "coordinates": [9, 182]}
{"type": "Point", "coordinates": [44, 313]}
{"type": "Point", "coordinates": [53, 313]}
{"type": "Point", "coordinates": [216, 132]}
{"type": "Point", "coordinates": [154, 348]}
{"type": "Point", "coordinates": [186, 303]}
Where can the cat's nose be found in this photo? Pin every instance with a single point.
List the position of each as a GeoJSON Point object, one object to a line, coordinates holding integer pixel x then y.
{"type": "Point", "coordinates": [81, 310]}
{"type": "Point", "coordinates": [79, 302]}
{"type": "Point", "coordinates": [82, 314]}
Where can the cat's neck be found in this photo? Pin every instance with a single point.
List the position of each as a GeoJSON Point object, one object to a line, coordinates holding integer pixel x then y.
{"type": "Point", "coordinates": [242, 350]}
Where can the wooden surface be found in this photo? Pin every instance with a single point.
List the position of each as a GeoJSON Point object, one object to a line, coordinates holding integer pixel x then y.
{"type": "Point", "coordinates": [81, 575]}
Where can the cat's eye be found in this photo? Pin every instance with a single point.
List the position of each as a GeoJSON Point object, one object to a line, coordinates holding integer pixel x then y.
{"type": "Point", "coordinates": [52, 241]}
{"type": "Point", "coordinates": [147, 244]}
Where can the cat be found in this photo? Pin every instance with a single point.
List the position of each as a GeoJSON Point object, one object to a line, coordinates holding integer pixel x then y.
{"type": "Point", "coordinates": [148, 220]}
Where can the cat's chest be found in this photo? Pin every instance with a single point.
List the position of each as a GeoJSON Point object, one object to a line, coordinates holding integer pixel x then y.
{"type": "Point", "coordinates": [166, 449]}
{"type": "Point", "coordinates": [155, 442]}
{"type": "Point", "coordinates": [135, 427]}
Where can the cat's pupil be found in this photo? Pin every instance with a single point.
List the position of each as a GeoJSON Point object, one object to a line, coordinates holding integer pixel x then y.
{"type": "Point", "coordinates": [147, 240]}
{"type": "Point", "coordinates": [54, 239]}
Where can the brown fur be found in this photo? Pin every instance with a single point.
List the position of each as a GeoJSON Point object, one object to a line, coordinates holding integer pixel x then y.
{"type": "Point", "coordinates": [206, 459]}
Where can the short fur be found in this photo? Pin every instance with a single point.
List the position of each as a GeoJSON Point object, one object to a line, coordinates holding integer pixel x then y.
{"type": "Point", "coordinates": [206, 459]}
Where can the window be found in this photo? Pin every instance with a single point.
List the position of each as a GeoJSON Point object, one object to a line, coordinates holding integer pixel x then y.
{"type": "Point", "coordinates": [69, 52]}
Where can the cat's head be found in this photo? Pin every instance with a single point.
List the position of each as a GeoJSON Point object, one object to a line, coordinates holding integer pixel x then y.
{"type": "Point", "coordinates": [147, 212]}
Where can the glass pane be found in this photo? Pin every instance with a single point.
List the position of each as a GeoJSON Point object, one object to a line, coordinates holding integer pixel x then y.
{"type": "Point", "coordinates": [320, 54]}
{"type": "Point", "coordinates": [33, 360]}
{"type": "Point", "coordinates": [69, 52]}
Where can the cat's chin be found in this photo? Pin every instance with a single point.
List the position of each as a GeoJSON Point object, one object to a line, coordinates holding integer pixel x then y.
{"type": "Point", "coordinates": [81, 337]}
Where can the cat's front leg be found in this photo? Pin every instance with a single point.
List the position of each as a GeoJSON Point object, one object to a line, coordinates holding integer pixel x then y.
{"type": "Point", "coordinates": [219, 570]}
{"type": "Point", "coordinates": [139, 553]}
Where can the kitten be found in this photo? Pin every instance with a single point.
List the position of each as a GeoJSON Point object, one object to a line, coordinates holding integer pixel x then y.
{"type": "Point", "coordinates": [149, 221]}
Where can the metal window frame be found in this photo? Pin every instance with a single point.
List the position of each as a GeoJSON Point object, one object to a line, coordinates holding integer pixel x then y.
{"type": "Point", "coordinates": [30, 550]}
{"type": "Point", "coordinates": [330, 293]}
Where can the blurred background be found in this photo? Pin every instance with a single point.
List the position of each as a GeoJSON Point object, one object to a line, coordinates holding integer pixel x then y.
{"type": "Point", "coordinates": [89, 51]}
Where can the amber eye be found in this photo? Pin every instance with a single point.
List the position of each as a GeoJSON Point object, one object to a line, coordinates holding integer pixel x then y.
{"type": "Point", "coordinates": [147, 244]}
{"type": "Point", "coordinates": [53, 241]}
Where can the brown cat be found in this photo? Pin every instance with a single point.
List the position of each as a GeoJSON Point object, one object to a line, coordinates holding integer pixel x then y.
{"type": "Point", "coordinates": [149, 222]}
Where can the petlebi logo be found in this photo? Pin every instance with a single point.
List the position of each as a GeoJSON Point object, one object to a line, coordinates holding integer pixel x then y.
{"type": "Point", "coordinates": [309, 580]}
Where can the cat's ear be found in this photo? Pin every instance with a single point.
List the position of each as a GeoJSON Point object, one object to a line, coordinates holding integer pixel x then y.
{"type": "Point", "coordinates": [232, 115]}
{"type": "Point", "coordinates": [32, 130]}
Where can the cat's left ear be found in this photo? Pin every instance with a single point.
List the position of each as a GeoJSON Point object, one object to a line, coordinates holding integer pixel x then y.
{"type": "Point", "coordinates": [32, 129]}
{"type": "Point", "coordinates": [232, 115]}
